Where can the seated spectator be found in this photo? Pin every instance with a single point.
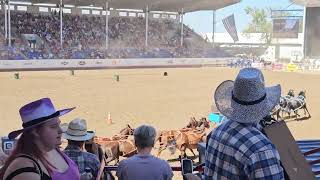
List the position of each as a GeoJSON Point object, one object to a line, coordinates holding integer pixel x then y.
{"type": "Point", "coordinates": [237, 148]}
{"type": "Point", "coordinates": [77, 134]}
{"type": "Point", "coordinates": [143, 165]}
{"type": "Point", "coordinates": [35, 155]}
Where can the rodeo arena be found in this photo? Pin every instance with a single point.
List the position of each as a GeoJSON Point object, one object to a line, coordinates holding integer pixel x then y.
{"type": "Point", "coordinates": [151, 98]}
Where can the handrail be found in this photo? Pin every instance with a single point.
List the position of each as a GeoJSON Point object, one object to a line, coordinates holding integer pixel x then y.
{"type": "Point", "coordinates": [174, 168]}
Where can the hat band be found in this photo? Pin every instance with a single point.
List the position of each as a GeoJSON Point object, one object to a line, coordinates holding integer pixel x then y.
{"type": "Point", "coordinates": [247, 103]}
{"type": "Point", "coordinates": [40, 120]}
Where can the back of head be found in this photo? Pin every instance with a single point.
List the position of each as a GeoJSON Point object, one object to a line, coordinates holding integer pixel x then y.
{"type": "Point", "coordinates": [144, 136]}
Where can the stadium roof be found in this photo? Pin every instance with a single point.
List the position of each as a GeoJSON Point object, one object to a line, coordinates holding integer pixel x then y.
{"type": "Point", "coordinates": [307, 3]}
{"type": "Point", "coordinates": [154, 5]}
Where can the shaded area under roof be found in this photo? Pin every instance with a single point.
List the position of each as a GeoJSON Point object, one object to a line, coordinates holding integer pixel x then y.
{"type": "Point", "coordinates": [307, 3]}
{"type": "Point", "coordinates": [154, 5]}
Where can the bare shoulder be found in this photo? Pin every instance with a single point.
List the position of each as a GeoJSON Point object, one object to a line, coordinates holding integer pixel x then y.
{"type": "Point", "coordinates": [19, 163]}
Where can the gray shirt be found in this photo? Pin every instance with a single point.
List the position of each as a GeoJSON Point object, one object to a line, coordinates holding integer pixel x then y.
{"type": "Point", "coordinates": [144, 167]}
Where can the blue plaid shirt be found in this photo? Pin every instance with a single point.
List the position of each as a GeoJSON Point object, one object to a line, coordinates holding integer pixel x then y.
{"type": "Point", "coordinates": [83, 159]}
{"type": "Point", "coordinates": [241, 151]}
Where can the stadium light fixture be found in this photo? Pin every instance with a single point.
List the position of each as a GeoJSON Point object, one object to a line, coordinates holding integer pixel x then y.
{"type": "Point", "coordinates": [20, 3]}
{"type": "Point", "coordinates": [131, 10]}
{"type": "Point", "coordinates": [90, 7]}
{"type": "Point", "coordinates": [45, 4]}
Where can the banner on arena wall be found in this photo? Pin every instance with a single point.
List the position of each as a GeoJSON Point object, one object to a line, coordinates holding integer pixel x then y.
{"type": "Point", "coordinates": [257, 65]}
{"type": "Point", "coordinates": [230, 25]}
{"type": "Point", "coordinates": [106, 63]}
{"type": "Point", "coordinates": [285, 28]}
{"type": "Point", "coordinates": [277, 66]}
{"type": "Point", "coordinates": [292, 67]}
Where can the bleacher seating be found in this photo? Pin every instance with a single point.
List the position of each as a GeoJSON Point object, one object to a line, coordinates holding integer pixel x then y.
{"type": "Point", "coordinates": [84, 37]}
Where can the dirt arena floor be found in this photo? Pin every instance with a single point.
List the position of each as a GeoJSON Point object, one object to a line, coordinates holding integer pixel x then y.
{"type": "Point", "coordinates": [142, 96]}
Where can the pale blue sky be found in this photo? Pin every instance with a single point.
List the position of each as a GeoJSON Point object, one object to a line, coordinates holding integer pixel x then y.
{"type": "Point", "coordinates": [201, 21]}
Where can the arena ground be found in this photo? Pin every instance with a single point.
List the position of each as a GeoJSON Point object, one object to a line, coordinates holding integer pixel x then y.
{"type": "Point", "coordinates": [142, 96]}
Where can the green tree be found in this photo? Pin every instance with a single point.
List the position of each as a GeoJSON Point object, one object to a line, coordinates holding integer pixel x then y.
{"type": "Point", "coordinates": [259, 23]}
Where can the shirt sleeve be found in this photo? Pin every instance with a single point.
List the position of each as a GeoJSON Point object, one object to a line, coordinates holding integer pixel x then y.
{"type": "Point", "coordinates": [264, 165]}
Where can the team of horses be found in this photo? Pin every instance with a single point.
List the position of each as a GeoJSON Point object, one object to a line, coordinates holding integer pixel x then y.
{"type": "Point", "coordinates": [122, 144]}
{"type": "Point", "coordinates": [291, 104]}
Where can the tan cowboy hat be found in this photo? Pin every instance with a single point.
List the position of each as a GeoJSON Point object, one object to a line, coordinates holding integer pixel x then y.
{"type": "Point", "coordinates": [77, 131]}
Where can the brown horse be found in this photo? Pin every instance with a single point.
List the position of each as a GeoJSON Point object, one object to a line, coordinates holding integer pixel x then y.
{"type": "Point", "coordinates": [189, 140]}
{"type": "Point", "coordinates": [113, 149]}
{"type": "Point", "coordinates": [192, 123]}
{"type": "Point", "coordinates": [124, 133]}
{"type": "Point", "coordinates": [167, 139]}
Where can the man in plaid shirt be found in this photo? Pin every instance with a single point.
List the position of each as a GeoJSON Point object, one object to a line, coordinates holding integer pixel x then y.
{"type": "Point", "coordinates": [83, 159]}
{"type": "Point", "coordinates": [77, 134]}
{"type": "Point", "coordinates": [237, 149]}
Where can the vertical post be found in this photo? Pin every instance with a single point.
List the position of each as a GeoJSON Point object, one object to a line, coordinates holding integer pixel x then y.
{"type": "Point", "coordinates": [304, 33]}
{"type": "Point", "coordinates": [9, 23]}
{"type": "Point", "coordinates": [5, 20]}
{"type": "Point", "coordinates": [213, 26]}
{"type": "Point", "coordinates": [107, 26]}
{"type": "Point", "coordinates": [61, 24]}
{"type": "Point", "coordinates": [181, 16]}
{"type": "Point", "coordinates": [147, 24]}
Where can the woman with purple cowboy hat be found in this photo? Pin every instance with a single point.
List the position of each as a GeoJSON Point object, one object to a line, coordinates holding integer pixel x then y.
{"type": "Point", "coordinates": [36, 155]}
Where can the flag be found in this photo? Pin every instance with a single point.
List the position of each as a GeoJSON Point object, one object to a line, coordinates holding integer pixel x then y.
{"type": "Point", "coordinates": [230, 25]}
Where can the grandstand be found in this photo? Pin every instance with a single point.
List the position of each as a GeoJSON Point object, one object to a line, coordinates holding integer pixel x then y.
{"type": "Point", "coordinates": [35, 30]}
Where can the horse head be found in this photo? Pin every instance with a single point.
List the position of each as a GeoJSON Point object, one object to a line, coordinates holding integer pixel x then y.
{"type": "Point", "coordinates": [291, 93]}
{"type": "Point", "coordinates": [192, 123]}
{"type": "Point", "coordinates": [127, 130]}
{"type": "Point", "coordinates": [283, 102]}
{"type": "Point", "coordinates": [203, 121]}
{"type": "Point", "coordinates": [302, 93]}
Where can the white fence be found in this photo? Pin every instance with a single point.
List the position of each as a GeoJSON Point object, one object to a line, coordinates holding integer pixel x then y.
{"type": "Point", "coordinates": [55, 64]}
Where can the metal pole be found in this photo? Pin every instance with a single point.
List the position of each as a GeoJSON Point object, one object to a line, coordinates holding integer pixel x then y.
{"type": "Point", "coordinates": [61, 24]}
{"type": "Point", "coordinates": [107, 26]}
{"type": "Point", "coordinates": [213, 26]}
{"type": "Point", "coordinates": [147, 24]}
{"type": "Point", "coordinates": [5, 20]}
{"type": "Point", "coordinates": [304, 33]}
{"type": "Point", "coordinates": [181, 40]}
{"type": "Point", "coordinates": [9, 23]}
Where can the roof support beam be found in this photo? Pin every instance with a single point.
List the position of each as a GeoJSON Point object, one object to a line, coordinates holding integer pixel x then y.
{"type": "Point", "coordinates": [107, 25]}
{"type": "Point", "coordinates": [9, 23]}
{"type": "Point", "coordinates": [213, 26]}
{"type": "Point", "coordinates": [147, 26]}
{"type": "Point", "coordinates": [181, 33]}
{"type": "Point", "coordinates": [61, 23]}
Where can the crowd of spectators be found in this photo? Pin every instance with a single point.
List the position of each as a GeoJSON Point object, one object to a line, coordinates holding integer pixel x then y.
{"type": "Point", "coordinates": [84, 37]}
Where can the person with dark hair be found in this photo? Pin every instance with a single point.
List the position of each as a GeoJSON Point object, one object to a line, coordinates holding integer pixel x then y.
{"type": "Point", "coordinates": [143, 165]}
{"type": "Point", "coordinates": [36, 155]}
{"type": "Point", "coordinates": [77, 134]}
{"type": "Point", "coordinates": [237, 148]}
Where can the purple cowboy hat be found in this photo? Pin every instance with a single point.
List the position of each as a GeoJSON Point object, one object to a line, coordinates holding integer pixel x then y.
{"type": "Point", "coordinates": [36, 113]}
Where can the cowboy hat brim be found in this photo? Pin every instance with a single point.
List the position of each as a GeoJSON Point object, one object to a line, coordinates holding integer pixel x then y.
{"type": "Point", "coordinates": [16, 133]}
{"type": "Point", "coordinates": [245, 113]}
{"type": "Point", "coordinates": [88, 136]}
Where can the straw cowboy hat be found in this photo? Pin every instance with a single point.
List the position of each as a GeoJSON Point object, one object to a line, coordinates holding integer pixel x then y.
{"type": "Point", "coordinates": [36, 113]}
{"type": "Point", "coordinates": [246, 100]}
{"type": "Point", "coordinates": [77, 131]}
